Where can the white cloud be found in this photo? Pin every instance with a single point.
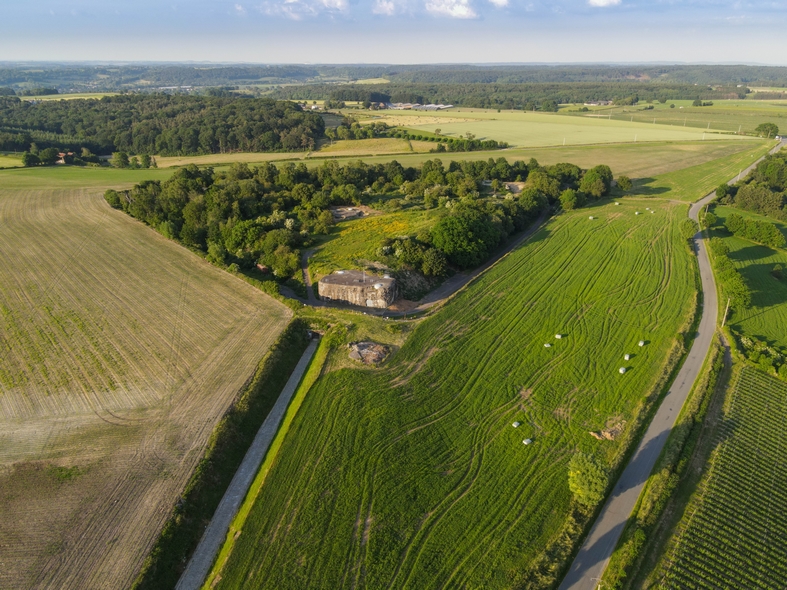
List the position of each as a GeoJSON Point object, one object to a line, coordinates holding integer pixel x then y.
{"type": "Point", "coordinates": [603, 2]}
{"type": "Point", "coordinates": [451, 8]}
{"type": "Point", "coordinates": [499, 3]}
{"type": "Point", "coordinates": [386, 7]}
{"type": "Point", "coordinates": [299, 9]}
{"type": "Point", "coordinates": [240, 9]}
{"type": "Point", "coordinates": [340, 5]}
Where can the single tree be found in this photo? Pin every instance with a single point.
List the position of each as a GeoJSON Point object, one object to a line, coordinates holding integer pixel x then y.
{"type": "Point", "coordinates": [587, 479]}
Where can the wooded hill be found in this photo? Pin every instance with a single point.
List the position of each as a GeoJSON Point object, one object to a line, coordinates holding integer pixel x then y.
{"type": "Point", "coordinates": [159, 124]}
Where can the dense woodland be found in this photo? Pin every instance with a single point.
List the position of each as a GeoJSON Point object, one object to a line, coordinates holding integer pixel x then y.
{"type": "Point", "coordinates": [509, 96]}
{"type": "Point", "coordinates": [158, 124]}
{"type": "Point", "coordinates": [763, 191]}
{"type": "Point", "coordinates": [77, 77]}
{"type": "Point", "coordinates": [267, 214]}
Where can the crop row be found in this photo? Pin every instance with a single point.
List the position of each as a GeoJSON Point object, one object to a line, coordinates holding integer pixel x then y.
{"type": "Point", "coordinates": [737, 534]}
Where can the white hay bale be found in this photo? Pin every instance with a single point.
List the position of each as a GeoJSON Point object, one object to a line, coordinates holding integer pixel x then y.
{"type": "Point", "coordinates": [641, 343]}
{"type": "Point", "coordinates": [627, 357]}
{"type": "Point", "coordinates": [558, 336]}
{"type": "Point", "coordinates": [636, 212]}
{"type": "Point", "coordinates": [590, 217]}
{"type": "Point", "coordinates": [547, 345]}
{"type": "Point", "coordinates": [622, 370]}
{"type": "Point", "coordinates": [527, 441]}
{"type": "Point", "coordinates": [616, 203]}
{"type": "Point", "coordinates": [516, 424]}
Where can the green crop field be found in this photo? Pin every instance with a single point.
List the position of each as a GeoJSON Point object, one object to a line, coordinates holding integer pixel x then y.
{"type": "Point", "coordinates": [734, 531]}
{"type": "Point", "coordinates": [724, 115]}
{"type": "Point", "coordinates": [527, 129]}
{"type": "Point", "coordinates": [767, 317]}
{"type": "Point", "coordinates": [72, 96]}
{"type": "Point", "coordinates": [694, 182]}
{"type": "Point", "coordinates": [119, 353]}
{"type": "Point", "coordinates": [412, 476]}
{"type": "Point", "coordinates": [10, 160]}
{"type": "Point", "coordinates": [74, 177]}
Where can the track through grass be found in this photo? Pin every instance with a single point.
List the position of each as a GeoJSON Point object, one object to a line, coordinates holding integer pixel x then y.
{"type": "Point", "coordinates": [413, 477]}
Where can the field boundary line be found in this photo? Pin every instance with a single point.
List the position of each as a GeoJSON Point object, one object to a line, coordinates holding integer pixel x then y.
{"type": "Point", "coordinates": [203, 557]}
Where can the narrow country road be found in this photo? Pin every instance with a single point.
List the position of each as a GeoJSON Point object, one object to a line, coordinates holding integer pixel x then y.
{"type": "Point", "coordinates": [213, 537]}
{"type": "Point", "coordinates": [591, 561]}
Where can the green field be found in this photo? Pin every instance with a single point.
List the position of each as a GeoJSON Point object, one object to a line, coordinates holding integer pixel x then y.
{"type": "Point", "coordinates": [75, 95]}
{"type": "Point", "coordinates": [121, 351]}
{"type": "Point", "coordinates": [54, 177]}
{"type": "Point", "coordinates": [354, 242]}
{"type": "Point", "coordinates": [412, 476]}
{"type": "Point", "coordinates": [766, 319]}
{"type": "Point", "coordinates": [528, 129]}
{"type": "Point", "coordinates": [10, 160]}
{"type": "Point", "coordinates": [724, 115]}
{"type": "Point", "coordinates": [694, 182]}
{"type": "Point", "coordinates": [734, 531]}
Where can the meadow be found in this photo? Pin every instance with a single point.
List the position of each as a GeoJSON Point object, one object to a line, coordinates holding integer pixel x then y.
{"type": "Point", "coordinates": [354, 242]}
{"type": "Point", "coordinates": [694, 182]}
{"type": "Point", "coordinates": [10, 160]}
{"type": "Point", "coordinates": [766, 319]}
{"type": "Point", "coordinates": [412, 476]}
{"type": "Point", "coordinates": [120, 353]}
{"type": "Point", "coordinates": [724, 115]}
{"type": "Point", "coordinates": [640, 160]}
{"type": "Point", "coordinates": [529, 129]}
{"type": "Point", "coordinates": [734, 533]}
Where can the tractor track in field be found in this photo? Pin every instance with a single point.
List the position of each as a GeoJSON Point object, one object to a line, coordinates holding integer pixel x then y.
{"type": "Point", "coordinates": [594, 554]}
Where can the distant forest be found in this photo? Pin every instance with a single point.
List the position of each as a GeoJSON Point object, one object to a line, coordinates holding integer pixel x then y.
{"type": "Point", "coordinates": [159, 124]}
{"type": "Point", "coordinates": [508, 96]}
{"type": "Point", "coordinates": [84, 78]}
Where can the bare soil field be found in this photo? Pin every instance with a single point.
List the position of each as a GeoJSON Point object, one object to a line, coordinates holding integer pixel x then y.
{"type": "Point", "coordinates": [119, 352]}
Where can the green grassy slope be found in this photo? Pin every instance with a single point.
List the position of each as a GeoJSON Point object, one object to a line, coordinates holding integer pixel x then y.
{"type": "Point", "coordinates": [767, 317]}
{"type": "Point", "coordinates": [413, 477]}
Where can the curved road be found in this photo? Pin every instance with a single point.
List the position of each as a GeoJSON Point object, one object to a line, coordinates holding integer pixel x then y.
{"type": "Point", "coordinates": [591, 561]}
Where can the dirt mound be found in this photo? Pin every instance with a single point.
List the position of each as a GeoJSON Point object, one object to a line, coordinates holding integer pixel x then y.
{"type": "Point", "coordinates": [369, 353]}
{"type": "Point", "coordinates": [613, 428]}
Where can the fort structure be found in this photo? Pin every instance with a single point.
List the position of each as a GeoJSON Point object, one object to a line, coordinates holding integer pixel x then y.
{"type": "Point", "coordinates": [358, 288]}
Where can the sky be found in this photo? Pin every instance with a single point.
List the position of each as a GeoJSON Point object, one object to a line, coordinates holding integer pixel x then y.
{"type": "Point", "coordinates": [396, 31]}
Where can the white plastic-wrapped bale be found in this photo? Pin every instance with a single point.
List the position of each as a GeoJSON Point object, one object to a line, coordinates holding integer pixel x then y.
{"type": "Point", "coordinates": [622, 370]}
{"type": "Point", "coordinates": [641, 343]}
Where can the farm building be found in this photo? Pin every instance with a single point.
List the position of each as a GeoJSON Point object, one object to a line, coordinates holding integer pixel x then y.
{"type": "Point", "coordinates": [358, 288]}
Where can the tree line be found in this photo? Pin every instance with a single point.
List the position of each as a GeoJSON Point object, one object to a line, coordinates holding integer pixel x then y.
{"type": "Point", "coordinates": [763, 191]}
{"type": "Point", "coordinates": [159, 124]}
{"type": "Point", "coordinates": [508, 95]}
{"type": "Point", "coordinates": [264, 216]}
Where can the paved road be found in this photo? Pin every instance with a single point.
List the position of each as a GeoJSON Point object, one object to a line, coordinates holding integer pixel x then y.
{"type": "Point", "coordinates": [593, 556]}
{"type": "Point", "coordinates": [200, 563]}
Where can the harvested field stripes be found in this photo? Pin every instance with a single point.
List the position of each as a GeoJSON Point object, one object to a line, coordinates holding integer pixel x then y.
{"type": "Point", "coordinates": [412, 476]}
{"type": "Point", "coordinates": [119, 352]}
{"type": "Point", "coordinates": [736, 536]}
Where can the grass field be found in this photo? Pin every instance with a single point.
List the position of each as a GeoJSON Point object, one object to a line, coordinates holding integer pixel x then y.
{"type": "Point", "coordinates": [734, 532]}
{"type": "Point", "coordinates": [72, 96]}
{"type": "Point", "coordinates": [119, 352]}
{"type": "Point", "coordinates": [356, 241]}
{"type": "Point", "coordinates": [373, 147]}
{"type": "Point", "coordinates": [74, 177]}
{"type": "Point", "coordinates": [641, 160]}
{"type": "Point", "coordinates": [766, 319]}
{"type": "Point", "coordinates": [10, 161]}
{"type": "Point", "coordinates": [724, 115]}
{"type": "Point", "coordinates": [411, 476]}
{"type": "Point", "coordinates": [694, 182]}
{"type": "Point", "coordinates": [527, 129]}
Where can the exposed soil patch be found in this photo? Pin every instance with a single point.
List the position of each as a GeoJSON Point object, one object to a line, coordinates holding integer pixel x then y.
{"type": "Point", "coordinates": [369, 353]}
{"type": "Point", "coordinates": [612, 429]}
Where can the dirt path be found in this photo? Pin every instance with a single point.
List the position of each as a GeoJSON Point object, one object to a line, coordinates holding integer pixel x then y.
{"type": "Point", "coordinates": [214, 535]}
{"type": "Point", "coordinates": [591, 561]}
